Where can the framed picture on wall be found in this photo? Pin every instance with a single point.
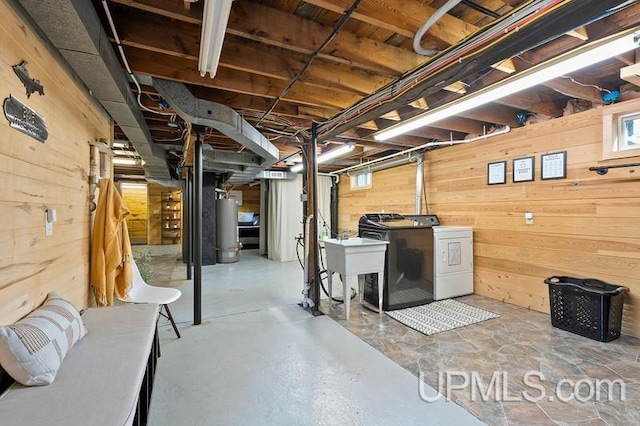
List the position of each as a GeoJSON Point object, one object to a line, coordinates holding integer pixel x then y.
{"type": "Point", "coordinates": [523, 169]}
{"type": "Point", "coordinates": [497, 173]}
{"type": "Point", "coordinates": [554, 165]}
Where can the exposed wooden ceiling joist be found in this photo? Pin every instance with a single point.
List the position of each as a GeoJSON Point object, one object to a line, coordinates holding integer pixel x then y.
{"type": "Point", "coordinates": [268, 42]}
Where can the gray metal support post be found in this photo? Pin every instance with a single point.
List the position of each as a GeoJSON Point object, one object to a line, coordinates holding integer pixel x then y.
{"type": "Point", "coordinates": [312, 174]}
{"type": "Point", "coordinates": [334, 207]}
{"type": "Point", "coordinates": [189, 220]}
{"type": "Point", "coordinates": [197, 232]}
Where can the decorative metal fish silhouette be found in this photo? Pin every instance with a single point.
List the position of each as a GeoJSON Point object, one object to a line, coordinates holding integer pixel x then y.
{"type": "Point", "coordinates": [32, 85]}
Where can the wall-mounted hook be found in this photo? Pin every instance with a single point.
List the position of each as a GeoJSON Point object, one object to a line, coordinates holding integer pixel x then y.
{"type": "Point", "coordinates": [98, 167]}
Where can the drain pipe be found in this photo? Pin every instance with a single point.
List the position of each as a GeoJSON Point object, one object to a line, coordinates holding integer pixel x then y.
{"type": "Point", "coordinates": [419, 183]}
{"type": "Point", "coordinates": [306, 301]}
{"type": "Point", "coordinates": [334, 206]}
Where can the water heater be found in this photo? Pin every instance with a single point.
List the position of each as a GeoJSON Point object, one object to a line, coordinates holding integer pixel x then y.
{"type": "Point", "coordinates": [227, 242]}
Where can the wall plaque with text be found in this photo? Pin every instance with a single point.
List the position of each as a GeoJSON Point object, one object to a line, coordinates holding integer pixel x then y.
{"type": "Point", "coordinates": [24, 119]}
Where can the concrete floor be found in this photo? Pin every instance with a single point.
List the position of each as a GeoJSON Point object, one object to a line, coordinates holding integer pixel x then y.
{"type": "Point", "coordinates": [259, 359]}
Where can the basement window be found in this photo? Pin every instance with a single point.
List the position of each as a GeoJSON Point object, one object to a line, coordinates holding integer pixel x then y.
{"type": "Point", "coordinates": [361, 181]}
{"type": "Point", "coordinates": [621, 127]}
{"type": "Point", "coordinates": [629, 132]}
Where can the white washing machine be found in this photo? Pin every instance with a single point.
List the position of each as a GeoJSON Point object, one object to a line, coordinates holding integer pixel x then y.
{"type": "Point", "coordinates": [453, 261]}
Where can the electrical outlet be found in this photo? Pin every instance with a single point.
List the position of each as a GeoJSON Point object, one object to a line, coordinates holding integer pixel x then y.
{"type": "Point", "coordinates": [48, 228]}
{"type": "Point", "coordinates": [50, 216]}
{"type": "Point", "coordinates": [528, 218]}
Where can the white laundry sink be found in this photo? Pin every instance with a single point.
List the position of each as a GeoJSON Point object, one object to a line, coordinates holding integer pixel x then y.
{"type": "Point", "coordinates": [355, 256]}
{"type": "Point", "coordinates": [355, 241]}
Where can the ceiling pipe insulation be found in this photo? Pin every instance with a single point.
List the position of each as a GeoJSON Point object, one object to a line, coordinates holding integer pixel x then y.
{"type": "Point", "coordinates": [75, 30]}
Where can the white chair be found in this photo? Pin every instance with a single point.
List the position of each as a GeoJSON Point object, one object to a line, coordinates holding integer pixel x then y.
{"type": "Point", "coordinates": [141, 292]}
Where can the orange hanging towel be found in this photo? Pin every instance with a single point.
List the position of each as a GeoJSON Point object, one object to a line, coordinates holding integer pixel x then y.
{"type": "Point", "coordinates": [110, 247]}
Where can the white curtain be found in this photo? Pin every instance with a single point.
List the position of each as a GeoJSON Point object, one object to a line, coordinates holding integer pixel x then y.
{"type": "Point", "coordinates": [285, 215]}
{"type": "Point", "coordinates": [263, 217]}
{"type": "Point", "coordinates": [284, 219]}
{"type": "Point", "coordinates": [324, 204]}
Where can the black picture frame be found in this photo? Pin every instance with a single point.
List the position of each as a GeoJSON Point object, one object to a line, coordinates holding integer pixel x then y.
{"type": "Point", "coordinates": [524, 169]}
{"type": "Point", "coordinates": [497, 173]}
{"type": "Point", "coordinates": [553, 165]}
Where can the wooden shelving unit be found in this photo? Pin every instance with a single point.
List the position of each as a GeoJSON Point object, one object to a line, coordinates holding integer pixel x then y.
{"type": "Point", "coordinates": [171, 217]}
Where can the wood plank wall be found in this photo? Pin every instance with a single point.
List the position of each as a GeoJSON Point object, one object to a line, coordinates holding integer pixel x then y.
{"type": "Point", "coordinates": [37, 176]}
{"type": "Point", "coordinates": [584, 226]}
{"type": "Point", "coordinates": [392, 191]}
{"type": "Point", "coordinates": [136, 201]}
{"type": "Point", "coordinates": [154, 209]}
{"type": "Point", "coordinates": [250, 198]}
{"type": "Point", "coordinates": [171, 216]}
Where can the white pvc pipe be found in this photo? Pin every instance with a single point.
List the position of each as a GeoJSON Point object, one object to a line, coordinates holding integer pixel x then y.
{"type": "Point", "coordinates": [505, 129]}
{"type": "Point", "coordinates": [417, 47]}
{"type": "Point", "coordinates": [419, 183]}
{"type": "Point", "coordinates": [306, 285]}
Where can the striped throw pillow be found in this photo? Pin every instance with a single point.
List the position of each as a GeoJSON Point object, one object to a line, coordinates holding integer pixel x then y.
{"type": "Point", "coordinates": [32, 349]}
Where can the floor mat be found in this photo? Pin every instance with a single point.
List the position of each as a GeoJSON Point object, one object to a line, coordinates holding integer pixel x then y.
{"type": "Point", "coordinates": [440, 316]}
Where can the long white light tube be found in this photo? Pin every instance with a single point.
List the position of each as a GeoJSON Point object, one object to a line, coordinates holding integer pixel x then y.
{"type": "Point", "coordinates": [126, 161]}
{"type": "Point", "coordinates": [563, 64]}
{"type": "Point", "coordinates": [326, 156]}
{"type": "Point", "coordinates": [214, 25]}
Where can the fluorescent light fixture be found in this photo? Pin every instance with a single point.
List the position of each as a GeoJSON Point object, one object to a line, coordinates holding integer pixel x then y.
{"type": "Point", "coordinates": [326, 156]}
{"type": "Point", "coordinates": [118, 144]}
{"type": "Point", "coordinates": [214, 25]}
{"type": "Point", "coordinates": [133, 185]}
{"type": "Point", "coordinates": [126, 161]}
{"type": "Point", "coordinates": [572, 61]}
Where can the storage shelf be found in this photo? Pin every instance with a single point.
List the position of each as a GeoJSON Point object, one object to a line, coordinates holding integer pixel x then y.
{"type": "Point", "coordinates": [171, 211]}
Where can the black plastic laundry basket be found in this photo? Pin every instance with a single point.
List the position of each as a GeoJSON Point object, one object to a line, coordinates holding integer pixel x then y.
{"type": "Point", "coordinates": [586, 306]}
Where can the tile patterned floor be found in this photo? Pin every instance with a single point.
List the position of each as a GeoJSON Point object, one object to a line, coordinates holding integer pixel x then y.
{"type": "Point", "coordinates": [165, 264]}
{"type": "Point", "coordinates": [506, 349]}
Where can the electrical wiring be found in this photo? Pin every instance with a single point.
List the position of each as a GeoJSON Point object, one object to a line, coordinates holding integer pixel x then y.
{"type": "Point", "coordinates": [186, 137]}
{"type": "Point", "coordinates": [172, 115]}
{"type": "Point", "coordinates": [274, 119]}
{"type": "Point", "coordinates": [126, 63]}
{"type": "Point", "coordinates": [443, 101]}
{"type": "Point", "coordinates": [573, 80]}
{"type": "Point", "coordinates": [483, 39]}
{"type": "Point", "coordinates": [324, 223]}
{"type": "Point", "coordinates": [534, 15]}
{"type": "Point", "coordinates": [270, 117]}
{"type": "Point", "coordinates": [568, 77]}
{"type": "Point", "coordinates": [169, 140]}
{"type": "Point", "coordinates": [498, 132]}
{"type": "Point", "coordinates": [424, 192]}
{"type": "Point", "coordinates": [338, 26]}
{"type": "Point", "coordinates": [320, 273]}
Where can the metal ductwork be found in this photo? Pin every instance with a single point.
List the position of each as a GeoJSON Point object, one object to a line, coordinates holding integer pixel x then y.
{"type": "Point", "coordinates": [74, 28]}
{"type": "Point", "coordinates": [276, 175]}
{"type": "Point", "coordinates": [224, 119]}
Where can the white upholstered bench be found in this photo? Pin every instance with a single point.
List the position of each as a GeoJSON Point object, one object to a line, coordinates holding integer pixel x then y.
{"type": "Point", "coordinates": [105, 379]}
